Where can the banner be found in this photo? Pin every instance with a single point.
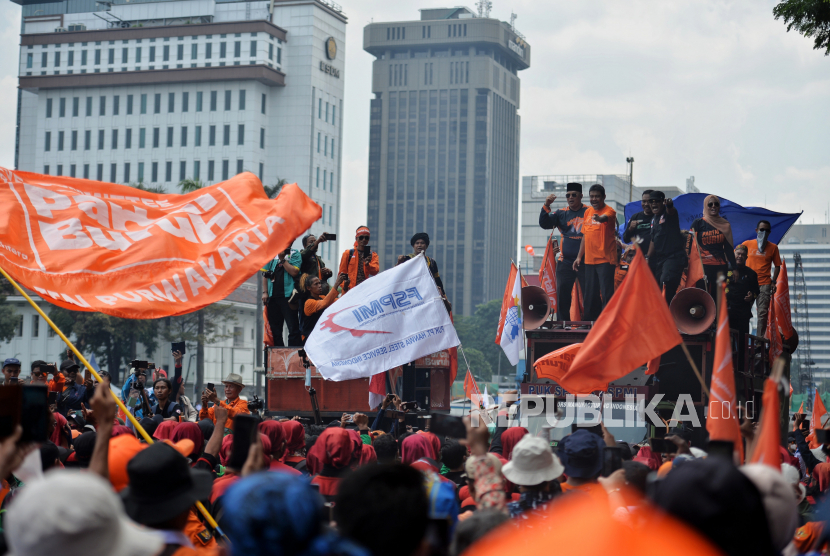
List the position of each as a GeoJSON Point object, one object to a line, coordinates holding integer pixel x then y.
{"type": "Point", "coordinates": [395, 318]}
{"type": "Point", "coordinates": [94, 246]}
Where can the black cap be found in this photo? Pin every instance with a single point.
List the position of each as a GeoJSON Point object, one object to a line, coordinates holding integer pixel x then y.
{"type": "Point", "coordinates": [657, 195]}
{"type": "Point", "coordinates": [68, 364]}
{"type": "Point", "coordinates": [163, 485]}
{"type": "Point", "coordinates": [419, 235]}
{"type": "Point", "coordinates": [84, 445]}
{"type": "Point", "coordinates": [574, 187]}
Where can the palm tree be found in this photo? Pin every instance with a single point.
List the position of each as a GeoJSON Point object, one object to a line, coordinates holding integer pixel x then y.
{"type": "Point", "coordinates": [188, 185]}
{"type": "Point", "coordinates": [150, 189]}
{"type": "Point", "coordinates": [273, 190]}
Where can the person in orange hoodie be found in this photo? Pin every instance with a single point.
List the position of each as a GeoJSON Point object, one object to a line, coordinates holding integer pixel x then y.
{"type": "Point", "coordinates": [361, 262]}
{"type": "Point", "coordinates": [233, 403]}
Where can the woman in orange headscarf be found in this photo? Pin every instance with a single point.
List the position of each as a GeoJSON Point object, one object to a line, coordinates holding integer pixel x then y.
{"type": "Point", "coordinates": [360, 262]}
{"type": "Point", "coordinates": [714, 238]}
{"type": "Point", "coordinates": [329, 459]}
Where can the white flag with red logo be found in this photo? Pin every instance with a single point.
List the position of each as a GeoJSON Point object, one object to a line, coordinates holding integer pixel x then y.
{"type": "Point", "coordinates": [395, 318]}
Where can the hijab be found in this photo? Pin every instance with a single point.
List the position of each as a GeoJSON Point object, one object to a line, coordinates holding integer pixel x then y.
{"type": "Point", "coordinates": [415, 447]}
{"type": "Point", "coordinates": [273, 430]}
{"type": "Point", "coordinates": [434, 442]}
{"type": "Point", "coordinates": [822, 473]}
{"type": "Point", "coordinates": [294, 436]}
{"type": "Point", "coordinates": [225, 450]}
{"type": "Point", "coordinates": [190, 431]}
{"type": "Point", "coordinates": [165, 430]}
{"type": "Point", "coordinates": [649, 457]}
{"type": "Point", "coordinates": [718, 222]}
{"type": "Point", "coordinates": [510, 438]}
{"type": "Point", "coordinates": [334, 447]}
{"type": "Point", "coordinates": [206, 426]}
{"type": "Point", "coordinates": [367, 454]}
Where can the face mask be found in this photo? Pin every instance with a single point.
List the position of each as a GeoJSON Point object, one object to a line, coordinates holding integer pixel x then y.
{"type": "Point", "coordinates": [762, 237]}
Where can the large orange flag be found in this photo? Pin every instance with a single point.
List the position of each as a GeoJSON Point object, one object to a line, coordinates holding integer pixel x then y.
{"type": "Point", "coordinates": [769, 437]}
{"type": "Point", "coordinates": [722, 420]}
{"type": "Point", "coordinates": [547, 277]}
{"type": "Point", "coordinates": [634, 328]}
{"type": "Point", "coordinates": [776, 346]}
{"type": "Point", "coordinates": [819, 411]}
{"type": "Point", "coordinates": [576, 303]}
{"type": "Point", "coordinates": [782, 303]}
{"type": "Point", "coordinates": [555, 364]}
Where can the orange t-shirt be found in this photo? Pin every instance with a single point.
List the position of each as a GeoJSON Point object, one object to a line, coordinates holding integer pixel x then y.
{"type": "Point", "coordinates": [600, 237]}
{"type": "Point", "coordinates": [761, 263]}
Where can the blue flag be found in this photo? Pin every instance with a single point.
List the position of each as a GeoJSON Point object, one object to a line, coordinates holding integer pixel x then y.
{"type": "Point", "coordinates": [743, 219]}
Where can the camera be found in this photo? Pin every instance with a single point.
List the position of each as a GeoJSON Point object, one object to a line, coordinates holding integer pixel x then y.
{"type": "Point", "coordinates": [256, 404]}
{"type": "Point", "coordinates": [268, 274]}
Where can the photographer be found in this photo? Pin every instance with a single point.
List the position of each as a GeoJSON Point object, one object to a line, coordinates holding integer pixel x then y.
{"type": "Point", "coordinates": [74, 395]}
{"type": "Point", "coordinates": [315, 304]}
{"type": "Point", "coordinates": [134, 392]}
{"type": "Point", "coordinates": [359, 263]}
{"type": "Point", "coordinates": [312, 264]}
{"type": "Point", "coordinates": [278, 283]}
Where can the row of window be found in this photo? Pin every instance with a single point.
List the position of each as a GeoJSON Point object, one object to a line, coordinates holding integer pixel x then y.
{"type": "Point", "coordinates": [327, 176]}
{"type": "Point", "coordinates": [325, 141]}
{"type": "Point", "coordinates": [74, 137]}
{"type": "Point", "coordinates": [453, 30]}
{"type": "Point", "coordinates": [320, 111]}
{"type": "Point", "coordinates": [157, 103]}
{"type": "Point", "coordinates": [495, 53]}
{"type": "Point", "coordinates": [35, 327]}
{"type": "Point", "coordinates": [154, 171]}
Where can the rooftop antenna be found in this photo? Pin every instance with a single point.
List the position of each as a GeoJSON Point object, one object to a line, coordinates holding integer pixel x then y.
{"type": "Point", "coordinates": [484, 7]}
{"type": "Point", "coordinates": [513, 17]}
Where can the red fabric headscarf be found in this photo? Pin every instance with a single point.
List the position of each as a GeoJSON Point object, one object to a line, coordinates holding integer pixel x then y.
{"type": "Point", "coordinates": [266, 449]}
{"type": "Point", "coordinates": [273, 430]}
{"type": "Point", "coordinates": [434, 442]}
{"type": "Point", "coordinates": [509, 439]}
{"type": "Point", "coordinates": [649, 457]}
{"type": "Point", "coordinates": [225, 450]}
{"type": "Point", "coordinates": [294, 435]}
{"type": "Point", "coordinates": [165, 430]}
{"type": "Point", "coordinates": [190, 431]}
{"type": "Point", "coordinates": [415, 447]}
{"type": "Point", "coordinates": [787, 457]}
{"type": "Point", "coordinates": [118, 430]}
{"type": "Point", "coordinates": [59, 429]}
{"type": "Point", "coordinates": [822, 473]}
{"type": "Point", "coordinates": [367, 454]}
{"type": "Point", "coordinates": [334, 447]}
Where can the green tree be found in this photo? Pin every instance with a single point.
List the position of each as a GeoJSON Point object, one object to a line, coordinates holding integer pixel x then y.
{"type": "Point", "coordinates": [113, 340]}
{"type": "Point", "coordinates": [811, 18]}
{"type": "Point", "coordinates": [217, 319]}
{"type": "Point", "coordinates": [8, 315]}
{"type": "Point", "coordinates": [478, 332]}
{"type": "Point", "coordinates": [188, 185]}
{"type": "Point", "coordinates": [478, 365]}
{"type": "Point", "coordinates": [149, 188]}
{"type": "Point", "coordinates": [273, 190]}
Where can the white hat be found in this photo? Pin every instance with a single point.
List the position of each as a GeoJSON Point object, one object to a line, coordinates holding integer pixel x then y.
{"type": "Point", "coordinates": [234, 378]}
{"type": "Point", "coordinates": [793, 477]}
{"type": "Point", "coordinates": [779, 501]}
{"type": "Point", "coordinates": [697, 452]}
{"type": "Point", "coordinates": [532, 462]}
{"type": "Point", "coordinates": [819, 454]}
{"type": "Point", "coordinates": [74, 514]}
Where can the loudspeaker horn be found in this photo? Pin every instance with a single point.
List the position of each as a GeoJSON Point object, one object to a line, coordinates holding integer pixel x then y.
{"type": "Point", "coordinates": [535, 307]}
{"type": "Point", "coordinates": [693, 310]}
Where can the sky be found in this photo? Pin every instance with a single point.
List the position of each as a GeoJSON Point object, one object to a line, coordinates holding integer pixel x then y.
{"type": "Point", "coordinates": [715, 89]}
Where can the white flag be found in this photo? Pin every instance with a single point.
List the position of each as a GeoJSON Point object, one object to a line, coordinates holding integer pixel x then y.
{"type": "Point", "coordinates": [387, 321]}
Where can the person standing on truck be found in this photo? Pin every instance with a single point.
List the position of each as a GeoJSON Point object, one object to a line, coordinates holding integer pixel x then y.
{"type": "Point", "coordinates": [761, 255]}
{"type": "Point", "coordinates": [420, 243]}
{"type": "Point", "coordinates": [277, 296]}
{"type": "Point", "coordinates": [714, 237]}
{"type": "Point", "coordinates": [359, 263]}
{"type": "Point", "coordinates": [311, 261]}
{"type": "Point", "coordinates": [598, 250]}
{"type": "Point", "coordinates": [639, 225]}
{"type": "Point", "coordinates": [666, 254]}
{"type": "Point", "coordinates": [569, 223]}
{"type": "Point", "coordinates": [315, 303]}
{"type": "Point", "coordinates": [741, 291]}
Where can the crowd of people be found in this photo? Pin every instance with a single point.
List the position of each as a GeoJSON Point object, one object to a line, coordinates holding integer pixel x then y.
{"type": "Point", "coordinates": [591, 253]}
{"type": "Point", "coordinates": [373, 487]}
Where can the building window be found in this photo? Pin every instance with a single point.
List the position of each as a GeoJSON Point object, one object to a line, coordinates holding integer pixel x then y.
{"type": "Point", "coordinates": [327, 112]}
{"type": "Point", "coordinates": [19, 331]}
{"type": "Point", "coordinates": [124, 57]}
{"type": "Point", "coordinates": [196, 167]}
{"type": "Point", "coordinates": [46, 169]}
{"type": "Point", "coordinates": [210, 170]}
{"type": "Point", "coordinates": [126, 172]}
{"type": "Point", "coordinates": [61, 107]}
{"type": "Point", "coordinates": [100, 139]}
{"type": "Point", "coordinates": [142, 136]}
{"type": "Point", "coordinates": [325, 172]}
{"type": "Point", "coordinates": [60, 140]}
{"type": "Point", "coordinates": [83, 57]}
{"type": "Point", "coordinates": [102, 106]}
{"type": "Point", "coordinates": [76, 106]}
{"type": "Point", "coordinates": [270, 52]}
{"type": "Point", "coordinates": [71, 170]}
{"type": "Point", "coordinates": [213, 97]}
{"type": "Point", "coordinates": [89, 106]}
{"type": "Point", "coordinates": [182, 170]}
{"type": "Point", "coordinates": [29, 58]}
{"type": "Point", "coordinates": [197, 139]}
{"type": "Point", "coordinates": [198, 101]}
{"type": "Point", "coordinates": [239, 166]}
{"type": "Point", "coordinates": [317, 184]}
{"type": "Point", "coordinates": [318, 141]}
{"type": "Point", "coordinates": [71, 60]}
{"type": "Point", "coordinates": [168, 171]}
{"type": "Point", "coordinates": [73, 141]}
{"type": "Point", "coordinates": [47, 143]}
{"type": "Point", "coordinates": [212, 136]}
{"type": "Point", "coordinates": [140, 172]}
{"type": "Point", "coordinates": [113, 168]}
{"type": "Point", "coordinates": [143, 104]}
{"type": "Point", "coordinates": [279, 55]}
{"type": "Point", "coordinates": [154, 172]}
{"type": "Point", "coordinates": [114, 139]}
{"type": "Point", "coordinates": [326, 146]}
{"type": "Point", "coordinates": [223, 49]}
{"type": "Point", "coordinates": [262, 138]}
{"type": "Point", "coordinates": [253, 49]}
{"type": "Point", "coordinates": [156, 137]}
{"type": "Point", "coordinates": [332, 147]}
{"type": "Point", "coordinates": [194, 51]}
{"type": "Point", "coordinates": [116, 101]}
{"type": "Point", "coordinates": [111, 56]}
{"type": "Point", "coordinates": [209, 51]}
{"type": "Point", "coordinates": [242, 99]}
{"type": "Point", "coordinates": [60, 170]}
{"type": "Point", "coordinates": [184, 136]}
{"type": "Point", "coordinates": [237, 49]}
{"type": "Point", "coordinates": [333, 121]}
{"type": "Point", "coordinates": [226, 136]}
{"type": "Point", "coordinates": [49, 107]}
{"type": "Point", "coordinates": [171, 103]}
{"type": "Point", "coordinates": [180, 52]}
{"type": "Point", "coordinates": [86, 171]}
{"type": "Point", "coordinates": [261, 109]}
{"type": "Point", "coordinates": [98, 56]}
{"type": "Point", "coordinates": [227, 100]}
{"type": "Point", "coordinates": [319, 108]}
{"type": "Point", "coordinates": [185, 101]}
{"type": "Point", "coordinates": [157, 103]}
{"type": "Point", "coordinates": [129, 105]}
{"type": "Point", "coordinates": [169, 137]}
{"type": "Point", "coordinates": [137, 56]}
{"type": "Point", "coordinates": [128, 139]}
{"type": "Point", "coordinates": [99, 172]}
{"type": "Point", "coordinates": [87, 139]}
{"type": "Point", "coordinates": [165, 53]}
{"type": "Point", "coordinates": [240, 134]}
{"type": "Point", "coordinates": [225, 169]}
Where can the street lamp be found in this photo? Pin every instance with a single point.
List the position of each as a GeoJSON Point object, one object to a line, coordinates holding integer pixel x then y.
{"type": "Point", "coordinates": [630, 161]}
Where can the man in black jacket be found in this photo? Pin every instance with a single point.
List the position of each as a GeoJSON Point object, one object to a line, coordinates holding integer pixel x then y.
{"type": "Point", "coordinates": [639, 225]}
{"type": "Point", "coordinates": [569, 223]}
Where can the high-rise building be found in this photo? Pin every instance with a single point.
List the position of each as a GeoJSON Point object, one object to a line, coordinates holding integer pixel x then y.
{"type": "Point", "coordinates": [444, 146]}
{"type": "Point", "coordinates": [155, 92]}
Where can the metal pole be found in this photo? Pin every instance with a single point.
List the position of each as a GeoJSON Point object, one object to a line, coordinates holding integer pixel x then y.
{"type": "Point", "coordinates": [259, 322]}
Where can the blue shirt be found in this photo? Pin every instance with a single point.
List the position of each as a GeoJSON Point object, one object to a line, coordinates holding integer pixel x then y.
{"type": "Point", "coordinates": [295, 259]}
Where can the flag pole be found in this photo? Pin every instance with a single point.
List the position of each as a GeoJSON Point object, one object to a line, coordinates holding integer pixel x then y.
{"type": "Point", "coordinates": [695, 369]}
{"type": "Point", "coordinates": [118, 402]}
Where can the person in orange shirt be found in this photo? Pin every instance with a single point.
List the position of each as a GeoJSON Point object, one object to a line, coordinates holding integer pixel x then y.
{"type": "Point", "coordinates": [233, 403]}
{"type": "Point", "coordinates": [315, 304]}
{"type": "Point", "coordinates": [761, 255]}
{"type": "Point", "coordinates": [599, 251]}
{"type": "Point", "coordinates": [359, 263]}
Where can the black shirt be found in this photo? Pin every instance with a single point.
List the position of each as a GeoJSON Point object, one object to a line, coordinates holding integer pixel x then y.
{"type": "Point", "coordinates": [172, 409]}
{"type": "Point", "coordinates": [736, 292]}
{"type": "Point", "coordinates": [665, 233]}
{"type": "Point", "coordinates": [311, 263]}
{"type": "Point", "coordinates": [642, 230]}
{"type": "Point", "coordinates": [714, 249]}
{"type": "Point", "coordinates": [569, 224]}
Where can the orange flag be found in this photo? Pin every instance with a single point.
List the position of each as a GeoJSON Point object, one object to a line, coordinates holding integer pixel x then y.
{"type": "Point", "coordinates": [576, 302]}
{"type": "Point", "coordinates": [769, 437]}
{"type": "Point", "coordinates": [268, 336]}
{"type": "Point", "coordinates": [782, 303]}
{"type": "Point", "coordinates": [547, 277]}
{"type": "Point", "coordinates": [556, 363]}
{"type": "Point", "coordinates": [653, 366]}
{"type": "Point", "coordinates": [800, 410]}
{"type": "Point", "coordinates": [722, 421]}
{"type": "Point", "coordinates": [694, 271]}
{"type": "Point", "coordinates": [634, 328]}
{"type": "Point", "coordinates": [819, 411]}
{"type": "Point", "coordinates": [470, 386]}
{"type": "Point", "coordinates": [776, 347]}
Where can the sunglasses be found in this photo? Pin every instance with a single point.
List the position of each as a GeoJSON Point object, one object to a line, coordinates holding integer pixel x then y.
{"type": "Point", "coordinates": [569, 195]}
{"type": "Point", "coordinates": [656, 201]}
{"type": "Point", "coordinates": [710, 205]}
{"type": "Point", "coordinates": [363, 237]}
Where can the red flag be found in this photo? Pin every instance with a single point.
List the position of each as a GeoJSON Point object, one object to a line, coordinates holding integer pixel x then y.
{"type": "Point", "coordinates": [769, 437]}
{"type": "Point", "coordinates": [776, 347]}
{"type": "Point", "coordinates": [471, 390]}
{"type": "Point", "coordinates": [782, 303]}
{"type": "Point", "coordinates": [377, 390]}
{"type": "Point", "coordinates": [268, 337]}
{"type": "Point", "coordinates": [694, 270]}
{"type": "Point", "coordinates": [816, 421]}
{"type": "Point", "coordinates": [555, 364]}
{"type": "Point", "coordinates": [547, 276]}
{"type": "Point", "coordinates": [576, 302]}
{"type": "Point", "coordinates": [800, 410]}
{"type": "Point", "coordinates": [722, 421]}
{"type": "Point", "coordinates": [634, 328]}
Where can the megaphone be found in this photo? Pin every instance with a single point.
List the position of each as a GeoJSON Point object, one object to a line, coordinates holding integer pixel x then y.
{"type": "Point", "coordinates": [693, 310]}
{"type": "Point", "coordinates": [535, 307]}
